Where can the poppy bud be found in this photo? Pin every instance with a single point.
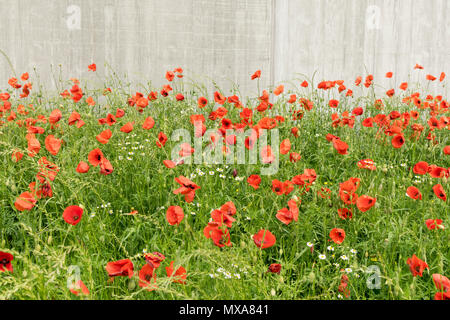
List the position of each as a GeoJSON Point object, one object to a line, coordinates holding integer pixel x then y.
{"type": "Point", "coordinates": [131, 285]}
{"type": "Point", "coordinates": [235, 173]}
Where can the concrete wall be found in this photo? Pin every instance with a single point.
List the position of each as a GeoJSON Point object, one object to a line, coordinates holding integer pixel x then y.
{"type": "Point", "coordinates": [225, 40]}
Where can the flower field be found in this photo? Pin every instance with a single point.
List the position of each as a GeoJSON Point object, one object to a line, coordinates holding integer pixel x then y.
{"type": "Point", "coordinates": [307, 190]}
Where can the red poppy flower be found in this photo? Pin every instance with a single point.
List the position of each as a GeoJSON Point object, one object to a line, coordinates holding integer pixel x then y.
{"type": "Point", "coordinates": [438, 190]}
{"type": "Point", "coordinates": [368, 122]}
{"type": "Point", "coordinates": [34, 146]}
{"type": "Point", "coordinates": [275, 268]}
{"type": "Point", "coordinates": [104, 136]}
{"type": "Point", "coordinates": [277, 187]}
{"type": "Point", "coordinates": [398, 141]}
{"type": "Point", "coordinates": [110, 119]}
{"type": "Point", "coordinates": [420, 167]}
{"type": "Point", "coordinates": [79, 287]}
{"type": "Point", "coordinates": [264, 239]}
{"type": "Point", "coordinates": [92, 67]}
{"type": "Point", "coordinates": [434, 223]}
{"type": "Point", "coordinates": [170, 75]}
{"type": "Point", "coordinates": [333, 103]}
{"type": "Point", "coordinates": [324, 193]}
{"type": "Point", "coordinates": [447, 150]}
{"type": "Point", "coordinates": [257, 74]}
{"type": "Point", "coordinates": [55, 116]}
{"type": "Point", "coordinates": [390, 92]}
{"type": "Point", "coordinates": [187, 188]}
{"type": "Point", "coordinates": [16, 156]}
{"type": "Point", "coordinates": [162, 139]}
{"type": "Point", "coordinates": [5, 261]}
{"type": "Point", "coordinates": [267, 156]}
{"type": "Point", "coordinates": [337, 235]}
{"type": "Point", "coordinates": [127, 128]}
{"type": "Point", "coordinates": [202, 102]}
{"type": "Point", "coordinates": [72, 215]}
{"type": "Point", "coordinates": [220, 237]}
{"type": "Point", "coordinates": [169, 164]}
{"type": "Point", "coordinates": [147, 278]}
{"type": "Point", "coordinates": [47, 170]}
{"type": "Point", "coordinates": [416, 265]}
{"type": "Point", "coordinates": [25, 201]}
{"type": "Point", "coordinates": [437, 172]}
{"type": "Point", "coordinates": [179, 275]}
{"type": "Point", "coordinates": [443, 285]}
{"type": "Point", "coordinates": [413, 193]}
{"type": "Point", "coordinates": [122, 267]}
{"type": "Point", "coordinates": [90, 101]}
{"type": "Point", "coordinates": [340, 146]}
{"type": "Point", "coordinates": [286, 215]}
{"type": "Point", "coordinates": [254, 180]}
{"type": "Point", "coordinates": [294, 157]}
{"type": "Point", "coordinates": [404, 86]}
{"type": "Point", "coordinates": [222, 217]}
{"type": "Point", "coordinates": [95, 157]}
{"type": "Point", "coordinates": [82, 167]}
{"type": "Point", "coordinates": [430, 77]}
{"type": "Point", "coordinates": [364, 203]}
{"type": "Point", "coordinates": [343, 286]}
{"type": "Point", "coordinates": [174, 215]}
{"type": "Point", "coordinates": [228, 208]}
{"type": "Point", "coordinates": [358, 111]}
{"type": "Point", "coordinates": [278, 90]}
{"type": "Point", "coordinates": [219, 98]}
{"type": "Point", "coordinates": [367, 164]}
{"type": "Point", "coordinates": [148, 123]}
{"type": "Point", "coordinates": [285, 146]}
{"type": "Point", "coordinates": [292, 98]}
{"type": "Point", "coordinates": [345, 213]}
{"type": "Point", "coordinates": [154, 259]}
{"type": "Point", "coordinates": [106, 167]}
{"type": "Point", "coordinates": [74, 118]}
{"type": "Point", "coordinates": [186, 150]}
{"type": "Point", "coordinates": [295, 131]}
{"type": "Point", "coordinates": [120, 113]}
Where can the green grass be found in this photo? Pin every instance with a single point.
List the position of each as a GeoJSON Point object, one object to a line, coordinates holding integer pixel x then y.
{"type": "Point", "coordinates": [45, 246]}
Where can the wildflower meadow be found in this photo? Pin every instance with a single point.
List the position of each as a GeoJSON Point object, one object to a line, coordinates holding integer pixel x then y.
{"type": "Point", "coordinates": [311, 189]}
